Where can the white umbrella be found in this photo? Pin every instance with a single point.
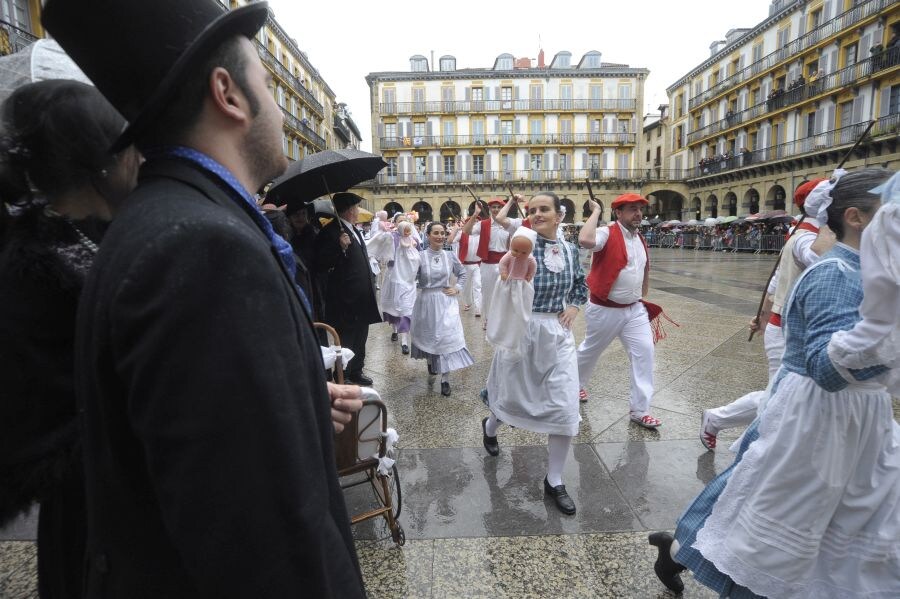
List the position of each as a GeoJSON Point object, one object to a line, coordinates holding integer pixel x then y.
{"type": "Point", "coordinates": [44, 59]}
{"type": "Point", "coordinates": [693, 221]}
{"type": "Point", "coordinates": [711, 222]}
{"type": "Point", "coordinates": [645, 223]}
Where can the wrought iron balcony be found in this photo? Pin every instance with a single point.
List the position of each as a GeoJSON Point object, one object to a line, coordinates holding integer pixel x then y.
{"type": "Point", "coordinates": [17, 38]}
{"type": "Point", "coordinates": [820, 142]}
{"type": "Point", "coordinates": [508, 139]}
{"type": "Point", "coordinates": [841, 22]}
{"type": "Point", "coordinates": [286, 75]}
{"type": "Point", "coordinates": [303, 129]}
{"type": "Point", "coordinates": [834, 81]}
{"type": "Point", "coordinates": [478, 106]}
{"type": "Point", "coordinates": [570, 175]}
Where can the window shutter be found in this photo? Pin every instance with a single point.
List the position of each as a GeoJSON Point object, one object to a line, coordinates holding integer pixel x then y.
{"type": "Point", "coordinates": [497, 127]}
{"type": "Point", "coordinates": [864, 45]}
{"type": "Point", "coordinates": [826, 12]}
{"type": "Point", "coordinates": [468, 94]}
{"type": "Point", "coordinates": [465, 163]}
{"type": "Point", "coordinates": [497, 92]}
{"type": "Point", "coordinates": [829, 118]}
{"type": "Point", "coordinates": [803, 131]}
{"type": "Point", "coordinates": [832, 62]}
{"type": "Point", "coordinates": [819, 121]}
{"type": "Point", "coordinates": [857, 109]}
{"type": "Point", "coordinates": [554, 164]}
{"type": "Point", "coordinates": [515, 92]}
{"type": "Point", "coordinates": [435, 167]}
{"type": "Point", "coordinates": [487, 163]}
{"type": "Point", "coordinates": [380, 130]}
{"type": "Point", "coordinates": [885, 106]}
{"type": "Point", "coordinates": [428, 128]}
{"type": "Point", "coordinates": [584, 161]}
{"type": "Point", "coordinates": [516, 126]}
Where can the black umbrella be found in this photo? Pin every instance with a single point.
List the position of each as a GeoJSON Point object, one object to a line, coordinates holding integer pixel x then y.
{"type": "Point", "coordinates": [322, 174]}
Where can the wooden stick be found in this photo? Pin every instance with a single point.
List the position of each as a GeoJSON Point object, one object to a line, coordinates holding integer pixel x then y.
{"type": "Point", "coordinates": [846, 157]}
{"type": "Point", "coordinates": [591, 193]}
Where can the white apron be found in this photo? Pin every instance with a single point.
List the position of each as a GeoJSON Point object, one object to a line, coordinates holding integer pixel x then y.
{"type": "Point", "coordinates": [512, 300]}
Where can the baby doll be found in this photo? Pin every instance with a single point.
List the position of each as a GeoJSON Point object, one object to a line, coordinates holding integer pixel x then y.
{"type": "Point", "coordinates": [514, 292]}
{"type": "Point", "coordinates": [518, 263]}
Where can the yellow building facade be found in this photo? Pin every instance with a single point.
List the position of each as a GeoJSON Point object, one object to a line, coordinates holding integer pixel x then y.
{"type": "Point", "coordinates": [521, 126]}
{"type": "Point", "coordinates": [783, 102]}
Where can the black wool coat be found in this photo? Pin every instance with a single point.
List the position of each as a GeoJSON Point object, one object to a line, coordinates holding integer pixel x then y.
{"type": "Point", "coordinates": [349, 289]}
{"type": "Point", "coordinates": [207, 428]}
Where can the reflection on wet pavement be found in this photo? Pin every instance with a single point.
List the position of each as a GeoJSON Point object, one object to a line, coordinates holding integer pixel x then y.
{"type": "Point", "coordinates": [478, 526]}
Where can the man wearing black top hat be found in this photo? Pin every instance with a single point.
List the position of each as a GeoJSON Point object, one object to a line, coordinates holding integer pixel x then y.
{"type": "Point", "coordinates": [343, 262]}
{"type": "Point", "coordinates": [208, 435]}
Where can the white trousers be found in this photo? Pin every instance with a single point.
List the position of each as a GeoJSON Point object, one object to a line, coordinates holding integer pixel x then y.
{"type": "Point", "coordinates": [632, 328]}
{"type": "Point", "coordinates": [744, 409]}
{"type": "Point", "coordinates": [472, 289]}
{"type": "Point", "coordinates": [489, 275]}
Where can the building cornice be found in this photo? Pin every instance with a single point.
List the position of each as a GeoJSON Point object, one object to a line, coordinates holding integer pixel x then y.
{"type": "Point", "coordinates": [738, 43]}
{"type": "Point", "coordinates": [462, 74]}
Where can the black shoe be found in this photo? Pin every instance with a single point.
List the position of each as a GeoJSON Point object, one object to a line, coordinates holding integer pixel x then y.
{"type": "Point", "coordinates": [358, 379]}
{"type": "Point", "coordinates": [561, 497]}
{"type": "Point", "coordinates": [431, 370]}
{"type": "Point", "coordinates": [404, 349]}
{"type": "Point", "coordinates": [666, 568]}
{"type": "Point", "coordinates": [490, 443]}
{"type": "Point", "coordinates": [394, 336]}
{"type": "Point", "coordinates": [445, 388]}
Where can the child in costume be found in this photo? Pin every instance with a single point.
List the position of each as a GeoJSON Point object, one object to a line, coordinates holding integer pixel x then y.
{"type": "Point", "coordinates": [514, 291]}
{"type": "Point", "coordinates": [398, 294]}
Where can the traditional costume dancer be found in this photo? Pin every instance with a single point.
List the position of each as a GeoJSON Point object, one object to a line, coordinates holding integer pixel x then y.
{"type": "Point", "coordinates": [437, 333]}
{"type": "Point", "coordinates": [811, 507]}
{"type": "Point", "coordinates": [619, 279]}
{"type": "Point", "coordinates": [493, 241]}
{"type": "Point", "coordinates": [536, 387]}
{"type": "Point", "coordinates": [798, 254]}
{"type": "Point", "coordinates": [398, 294]}
{"type": "Point", "coordinates": [514, 291]}
{"type": "Point", "coordinates": [876, 338]}
{"type": "Point", "coordinates": [467, 251]}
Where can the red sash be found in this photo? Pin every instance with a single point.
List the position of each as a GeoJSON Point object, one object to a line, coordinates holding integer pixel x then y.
{"type": "Point", "coordinates": [463, 246]}
{"type": "Point", "coordinates": [484, 238]}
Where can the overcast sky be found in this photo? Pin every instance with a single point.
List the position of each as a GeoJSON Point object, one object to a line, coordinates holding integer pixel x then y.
{"type": "Point", "coordinates": [347, 40]}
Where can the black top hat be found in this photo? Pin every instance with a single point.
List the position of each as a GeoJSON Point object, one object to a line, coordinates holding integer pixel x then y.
{"type": "Point", "coordinates": [138, 53]}
{"type": "Point", "coordinates": [344, 200]}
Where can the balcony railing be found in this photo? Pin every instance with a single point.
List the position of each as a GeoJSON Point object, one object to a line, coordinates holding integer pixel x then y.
{"type": "Point", "coordinates": [18, 38]}
{"type": "Point", "coordinates": [508, 139]}
{"type": "Point", "coordinates": [304, 129]}
{"type": "Point", "coordinates": [596, 174]}
{"type": "Point", "coordinates": [838, 79]}
{"type": "Point", "coordinates": [285, 74]}
{"type": "Point", "coordinates": [467, 106]}
{"type": "Point", "coordinates": [813, 143]}
{"type": "Point", "coordinates": [839, 23]}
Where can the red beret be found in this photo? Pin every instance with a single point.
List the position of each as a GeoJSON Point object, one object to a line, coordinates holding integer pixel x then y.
{"type": "Point", "coordinates": [499, 201]}
{"type": "Point", "coordinates": [628, 198]}
{"type": "Point", "coordinates": [803, 191]}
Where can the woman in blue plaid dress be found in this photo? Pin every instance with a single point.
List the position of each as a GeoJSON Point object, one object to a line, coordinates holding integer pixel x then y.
{"type": "Point", "coordinates": [536, 387]}
{"type": "Point", "coordinates": [811, 507]}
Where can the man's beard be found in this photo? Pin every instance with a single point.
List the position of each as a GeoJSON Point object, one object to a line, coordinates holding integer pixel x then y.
{"type": "Point", "coordinates": [263, 154]}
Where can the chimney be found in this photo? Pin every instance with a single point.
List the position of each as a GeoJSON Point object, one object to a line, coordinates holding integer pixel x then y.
{"type": "Point", "coordinates": [541, 64]}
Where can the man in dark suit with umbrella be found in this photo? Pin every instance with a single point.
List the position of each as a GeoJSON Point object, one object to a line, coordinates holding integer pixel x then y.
{"type": "Point", "coordinates": [207, 422]}
{"type": "Point", "coordinates": [342, 260]}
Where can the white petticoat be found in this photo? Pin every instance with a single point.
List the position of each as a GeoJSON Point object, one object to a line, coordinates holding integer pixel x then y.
{"type": "Point", "coordinates": [813, 509]}
{"type": "Point", "coordinates": [512, 299]}
{"type": "Point", "coordinates": [536, 388]}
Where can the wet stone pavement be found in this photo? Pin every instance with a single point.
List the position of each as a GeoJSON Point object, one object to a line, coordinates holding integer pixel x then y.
{"type": "Point", "coordinates": [478, 526]}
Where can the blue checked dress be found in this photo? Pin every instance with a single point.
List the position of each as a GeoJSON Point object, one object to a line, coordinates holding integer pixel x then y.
{"type": "Point", "coordinates": [812, 506]}
{"type": "Point", "coordinates": [536, 387]}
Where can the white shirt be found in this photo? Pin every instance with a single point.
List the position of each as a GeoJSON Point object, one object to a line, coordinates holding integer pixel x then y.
{"type": "Point", "coordinates": [499, 241]}
{"type": "Point", "coordinates": [630, 282]}
{"type": "Point", "coordinates": [802, 252]}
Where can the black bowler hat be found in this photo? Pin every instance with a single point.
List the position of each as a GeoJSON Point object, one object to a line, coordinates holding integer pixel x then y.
{"type": "Point", "coordinates": [344, 200]}
{"type": "Point", "coordinates": [139, 52]}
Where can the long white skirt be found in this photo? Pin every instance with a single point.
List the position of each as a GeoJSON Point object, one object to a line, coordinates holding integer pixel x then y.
{"type": "Point", "coordinates": [813, 509]}
{"type": "Point", "coordinates": [436, 332]}
{"type": "Point", "coordinates": [536, 387]}
{"type": "Point", "coordinates": [398, 297]}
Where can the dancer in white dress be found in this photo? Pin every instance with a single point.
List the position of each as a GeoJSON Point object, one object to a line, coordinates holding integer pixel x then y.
{"type": "Point", "coordinates": [536, 387]}
{"type": "Point", "coordinates": [813, 508]}
{"type": "Point", "coordinates": [437, 333]}
{"type": "Point", "coordinates": [398, 292]}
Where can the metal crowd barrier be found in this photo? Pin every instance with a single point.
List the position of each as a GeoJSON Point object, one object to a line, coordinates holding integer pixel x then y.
{"type": "Point", "coordinates": [710, 242]}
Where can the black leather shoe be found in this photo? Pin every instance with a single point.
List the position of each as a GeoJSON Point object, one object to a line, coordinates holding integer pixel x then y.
{"type": "Point", "coordinates": [561, 497]}
{"type": "Point", "coordinates": [490, 443]}
{"type": "Point", "coordinates": [358, 379]}
{"type": "Point", "coordinates": [431, 370]}
{"type": "Point", "coordinates": [394, 336]}
{"type": "Point", "coordinates": [445, 388]}
{"type": "Point", "coordinates": [404, 349]}
{"type": "Point", "coordinates": [666, 568]}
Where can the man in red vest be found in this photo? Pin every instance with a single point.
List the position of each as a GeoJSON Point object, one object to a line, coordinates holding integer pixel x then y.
{"type": "Point", "coordinates": [618, 281]}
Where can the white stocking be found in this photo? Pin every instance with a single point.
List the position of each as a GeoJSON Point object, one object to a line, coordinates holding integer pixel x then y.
{"type": "Point", "coordinates": [558, 446]}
